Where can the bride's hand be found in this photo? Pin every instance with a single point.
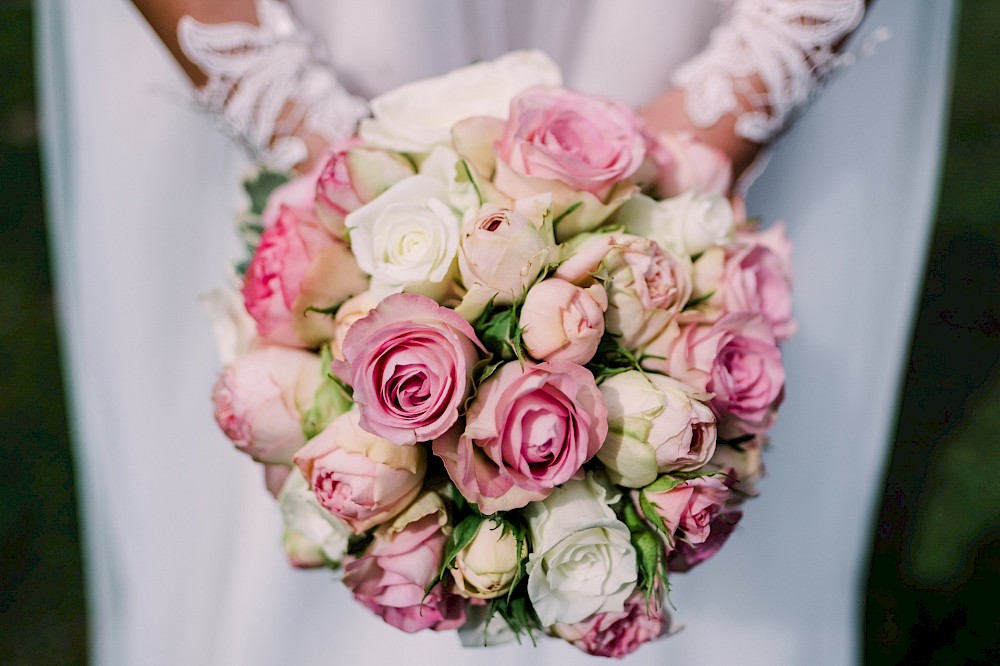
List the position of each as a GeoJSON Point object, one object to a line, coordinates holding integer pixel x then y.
{"type": "Point", "coordinates": [260, 74]}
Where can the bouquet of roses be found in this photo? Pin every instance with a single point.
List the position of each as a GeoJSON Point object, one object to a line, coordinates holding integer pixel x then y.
{"type": "Point", "coordinates": [513, 358]}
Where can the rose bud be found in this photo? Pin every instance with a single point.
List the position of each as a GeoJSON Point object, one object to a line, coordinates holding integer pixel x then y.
{"type": "Point", "coordinates": [647, 287]}
{"type": "Point", "coordinates": [691, 506]}
{"type": "Point", "coordinates": [351, 177]}
{"type": "Point", "coordinates": [656, 424]}
{"type": "Point", "coordinates": [563, 322]}
{"type": "Point", "coordinates": [261, 397]}
{"type": "Point", "coordinates": [744, 462]}
{"type": "Point", "coordinates": [359, 477]}
{"type": "Point", "coordinates": [502, 253]}
{"type": "Point", "coordinates": [485, 568]}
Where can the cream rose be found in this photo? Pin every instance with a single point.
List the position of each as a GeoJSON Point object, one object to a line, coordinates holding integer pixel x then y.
{"type": "Point", "coordinates": [582, 559]}
{"type": "Point", "coordinates": [416, 117]}
{"type": "Point", "coordinates": [655, 424]}
{"type": "Point", "coordinates": [308, 525]}
{"type": "Point", "coordinates": [486, 567]}
{"type": "Point", "coordinates": [689, 223]}
{"type": "Point", "coordinates": [407, 238]}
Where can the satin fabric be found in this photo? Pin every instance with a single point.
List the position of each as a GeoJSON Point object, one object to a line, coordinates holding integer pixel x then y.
{"type": "Point", "coordinates": [181, 542]}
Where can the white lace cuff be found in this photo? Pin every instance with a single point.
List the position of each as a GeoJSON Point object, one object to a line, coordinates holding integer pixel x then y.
{"type": "Point", "coordinates": [267, 82]}
{"type": "Point", "coordinates": [788, 46]}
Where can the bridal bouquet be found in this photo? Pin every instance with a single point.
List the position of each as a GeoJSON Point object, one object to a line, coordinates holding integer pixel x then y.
{"type": "Point", "coordinates": [513, 358]}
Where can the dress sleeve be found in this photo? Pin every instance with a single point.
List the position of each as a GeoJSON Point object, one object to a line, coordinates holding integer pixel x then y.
{"type": "Point", "coordinates": [269, 85]}
{"type": "Point", "coordinates": [764, 62]}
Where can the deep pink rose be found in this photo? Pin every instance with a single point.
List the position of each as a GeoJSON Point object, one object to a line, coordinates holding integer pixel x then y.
{"type": "Point", "coordinates": [530, 428]}
{"type": "Point", "coordinates": [410, 362]}
{"type": "Point", "coordinates": [359, 477]}
{"type": "Point", "coordinates": [391, 577]}
{"type": "Point", "coordinates": [616, 634]}
{"type": "Point", "coordinates": [736, 358]}
{"type": "Point", "coordinates": [260, 398]}
{"type": "Point", "coordinates": [299, 264]}
{"type": "Point", "coordinates": [587, 142]}
{"type": "Point", "coordinates": [687, 555]}
{"type": "Point", "coordinates": [691, 506]}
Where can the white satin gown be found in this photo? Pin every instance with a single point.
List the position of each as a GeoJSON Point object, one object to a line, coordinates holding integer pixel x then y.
{"type": "Point", "coordinates": [182, 543]}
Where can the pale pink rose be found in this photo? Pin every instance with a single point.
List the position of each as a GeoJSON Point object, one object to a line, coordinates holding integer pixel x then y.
{"type": "Point", "coordinates": [735, 358]}
{"type": "Point", "coordinates": [563, 322]}
{"type": "Point", "coordinates": [410, 362]}
{"type": "Point", "coordinates": [529, 429]}
{"type": "Point", "coordinates": [391, 578]}
{"type": "Point", "coordinates": [688, 163]}
{"type": "Point", "coordinates": [587, 142]}
{"type": "Point", "coordinates": [691, 506]}
{"type": "Point", "coordinates": [687, 555]}
{"type": "Point", "coordinates": [774, 239]}
{"type": "Point", "coordinates": [299, 265]}
{"type": "Point", "coordinates": [275, 476]}
{"type": "Point", "coordinates": [755, 281]}
{"type": "Point", "coordinates": [359, 477]}
{"type": "Point", "coordinates": [352, 176]}
{"type": "Point", "coordinates": [617, 634]}
{"type": "Point", "coordinates": [261, 397]}
{"type": "Point", "coordinates": [647, 287]}
{"type": "Point", "coordinates": [502, 253]}
{"type": "Point", "coordinates": [350, 311]}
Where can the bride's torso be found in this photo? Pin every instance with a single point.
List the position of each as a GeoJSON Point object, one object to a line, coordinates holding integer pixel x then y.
{"type": "Point", "coordinates": [624, 49]}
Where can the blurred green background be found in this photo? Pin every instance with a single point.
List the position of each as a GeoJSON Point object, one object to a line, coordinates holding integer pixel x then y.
{"type": "Point", "coordinates": [935, 544]}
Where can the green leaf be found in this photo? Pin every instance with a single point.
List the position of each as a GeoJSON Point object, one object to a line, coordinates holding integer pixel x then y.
{"type": "Point", "coordinates": [459, 538]}
{"type": "Point", "coordinates": [664, 483]}
{"type": "Point", "coordinates": [331, 399]}
{"type": "Point", "coordinates": [698, 300]}
{"type": "Point", "coordinates": [498, 330]}
{"type": "Point", "coordinates": [260, 185]}
{"type": "Point", "coordinates": [566, 213]}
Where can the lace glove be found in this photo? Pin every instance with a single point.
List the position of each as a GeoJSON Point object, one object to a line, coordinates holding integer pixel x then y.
{"type": "Point", "coordinates": [764, 62]}
{"type": "Point", "coordinates": [269, 85]}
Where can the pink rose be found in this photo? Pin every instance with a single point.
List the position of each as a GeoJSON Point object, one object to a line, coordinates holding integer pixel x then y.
{"type": "Point", "coordinates": [687, 163]}
{"type": "Point", "coordinates": [687, 555]}
{"type": "Point", "coordinates": [587, 142]}
{"type": "Point", "coordinates": [736, 358]}
{"type": "Point", "coordinates": [298, 265]}
{"type": "Point", "coordinates": [530, 428]}
{"type": "Point", "coordinates": [361, 478]}
{"type": "Point", "coordinates": [691, 506]}
{"type": "Point", "coordinates": [410, 362]}
{"type": "Point", "coordinates": [261, 397]}
{"type": "Point", "coordinates": [616, 634]}
{"type": "Point", "coordinates": [563, 322]}
{"type": "Point", "coordinates": [391, 578]}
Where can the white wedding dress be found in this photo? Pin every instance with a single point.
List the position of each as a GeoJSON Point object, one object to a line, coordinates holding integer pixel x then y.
{"type": "Point", "coordinates": [181, 541]}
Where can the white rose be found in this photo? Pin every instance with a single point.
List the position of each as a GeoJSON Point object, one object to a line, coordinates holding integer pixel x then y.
{"type": "Point", "coordinates": [688, 224]}
{"type": "Point", "coordinates": [420, 115]}
{"type": "Point", "coordinates": [485, 568]}
{"type": "Point", "coordinates": [407, 237]}
{"type": "Point", "coordinates": [655, 424]}
{"type": "Point", "coordinates": [582, 559]}
{"type": "Point", "coordinates": [308, 523]}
